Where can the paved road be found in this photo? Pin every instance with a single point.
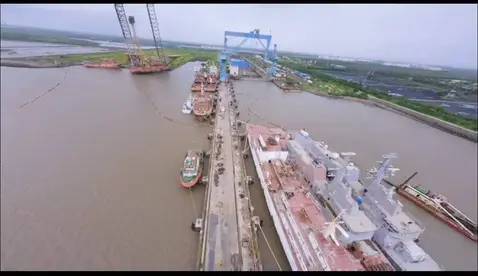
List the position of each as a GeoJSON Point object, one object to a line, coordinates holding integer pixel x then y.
{"type": "Point", "coordinates": [443, 101]}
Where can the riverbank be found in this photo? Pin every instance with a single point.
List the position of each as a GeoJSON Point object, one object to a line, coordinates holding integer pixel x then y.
{"type": "Point", "coordinates": [178, 58]}
{"type": "Point", "coordinates": [420, 117]}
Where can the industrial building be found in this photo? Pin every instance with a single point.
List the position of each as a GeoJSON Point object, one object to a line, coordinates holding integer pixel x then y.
{"type": "Point", "coordinates": [237, 67]}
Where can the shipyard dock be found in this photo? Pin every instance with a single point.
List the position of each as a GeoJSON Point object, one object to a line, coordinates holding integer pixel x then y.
{"type": "Point", "coordinates": [228, 238]}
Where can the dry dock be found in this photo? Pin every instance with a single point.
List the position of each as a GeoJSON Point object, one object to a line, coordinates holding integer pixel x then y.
{"type": "Point", "coordinates": [228, 240]}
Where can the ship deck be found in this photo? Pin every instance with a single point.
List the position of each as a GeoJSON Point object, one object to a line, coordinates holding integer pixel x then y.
{"type": "Point", "coordinates": [228, 241]}
{"type": "Point", "coordinates": [298, 218]}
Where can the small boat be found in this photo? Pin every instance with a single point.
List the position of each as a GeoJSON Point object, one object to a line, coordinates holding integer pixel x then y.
{"type": "Point", "coordinates": [106, 63]}
{"type": "Point", "coordinates": [192, 170]}
{"type": "Point", "coordinates": [186, 109]}
{"type": "Point", "coordinates": [188, 105]}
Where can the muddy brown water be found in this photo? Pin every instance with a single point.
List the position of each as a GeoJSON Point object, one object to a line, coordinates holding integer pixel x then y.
{"type": "Point", "coordinates": [89, 172]}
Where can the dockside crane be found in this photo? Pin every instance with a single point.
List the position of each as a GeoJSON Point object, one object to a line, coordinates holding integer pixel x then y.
{"type": "Point", "coordinates": [153, 21]}
{"type": "Point", "coordinates": [272, 69]}
{"type": "Point", "coordinates": [227, 52]}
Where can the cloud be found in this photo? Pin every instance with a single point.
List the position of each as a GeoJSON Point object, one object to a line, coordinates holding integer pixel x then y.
{"type": "Point", "coordinates": [429, 34]}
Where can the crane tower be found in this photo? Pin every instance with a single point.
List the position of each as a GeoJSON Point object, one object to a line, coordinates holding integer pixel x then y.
{"type": "Point", "coordinates": [153, 21]}
{"type": "Point", "coordinates": [133, 50]}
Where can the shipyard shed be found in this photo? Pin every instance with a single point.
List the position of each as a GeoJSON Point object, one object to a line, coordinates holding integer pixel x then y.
{"type": "Point", "coordinates": [304, 75]}
{"type": "Point", "coordinates": [240, 63]}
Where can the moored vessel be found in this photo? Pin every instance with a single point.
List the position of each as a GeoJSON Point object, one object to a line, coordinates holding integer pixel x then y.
{"type": "Point", "coordinates": [202, 106]}
{"type": "Point", "coordinates": [191, 172]}
{"type": "Point", "coordinates": [332, 176]}
{"type": "Point", "coordinates": [306, 235]}
{"type": "Point", "coordinates": [439, 206]}
{"type": "Point", "coordinates": [208, 80]}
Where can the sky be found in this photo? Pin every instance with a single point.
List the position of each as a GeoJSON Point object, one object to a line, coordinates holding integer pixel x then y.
{"type": "Point", "coordinates": [440, 34]}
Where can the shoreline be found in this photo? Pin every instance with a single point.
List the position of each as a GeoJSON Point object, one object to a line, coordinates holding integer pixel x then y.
{"type": "Point", "coordinates": [33, 64]}
{"type": "Point", "coordinates": [450, 128]}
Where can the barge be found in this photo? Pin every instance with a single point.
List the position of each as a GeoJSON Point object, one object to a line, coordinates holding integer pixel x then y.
{"type": "Point", "coordinates": [106, 64]}
{"type": "Point", "coordinates": [438, 206]}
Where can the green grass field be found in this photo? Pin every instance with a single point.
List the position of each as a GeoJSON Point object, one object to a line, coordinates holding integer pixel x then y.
{"type": "Point", "coordinates": [337, 87]}
{"type": "Point", "coordinates": [185, 56]}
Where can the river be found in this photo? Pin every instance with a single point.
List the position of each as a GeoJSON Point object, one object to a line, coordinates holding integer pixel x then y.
{"type": "Point", "coordinates": [21, 49]}
{"type": "Point", "coordinates": [90, 171]}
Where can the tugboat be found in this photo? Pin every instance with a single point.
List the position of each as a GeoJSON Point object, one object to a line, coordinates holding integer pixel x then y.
{"type": "Point", "coordinates": [192, 170]}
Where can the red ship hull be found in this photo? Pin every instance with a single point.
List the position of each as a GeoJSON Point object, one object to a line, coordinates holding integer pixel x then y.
{"type": "Point", "coordinates": [148, 69]}
{"type": "Point", "coordinates": [202, 107]}
{"type": "Point", "coordinates": [101, 65]}
{"type": "Point", "coordinates": [436, 214]}
{"type": "Point", "coordinates": [192, 183]}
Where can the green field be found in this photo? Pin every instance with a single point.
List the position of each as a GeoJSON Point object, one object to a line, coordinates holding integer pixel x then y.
{"type": "Point", "coordinates": [338, 87]}
{"type": "Point", "coordinates": [440, 81]}
{"type": "Point", "coordinates": [185, 56]}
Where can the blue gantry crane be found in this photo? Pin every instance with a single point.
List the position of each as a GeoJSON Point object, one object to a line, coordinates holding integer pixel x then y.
{"type": "Point", "coordinates": [227, 52]}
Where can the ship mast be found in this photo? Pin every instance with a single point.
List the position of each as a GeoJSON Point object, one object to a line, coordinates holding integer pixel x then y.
{"type": "Point", "coordinates": [383, 172]}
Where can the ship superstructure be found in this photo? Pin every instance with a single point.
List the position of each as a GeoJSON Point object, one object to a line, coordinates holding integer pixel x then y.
{"type": "Point", "coordinates": [306, 231]}
{"type": "Point", "coordinates": [336, 193]}
{"type": "Point", "coordinates": [398, 231]}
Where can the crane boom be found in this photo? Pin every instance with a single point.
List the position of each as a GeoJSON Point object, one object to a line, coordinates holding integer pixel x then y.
{"type": "Point", "coordinates": [153, 20]}
{"type": "Point", "coordinates": [132, 49]}
{"type": "Point", "coordinates": [125, 29]}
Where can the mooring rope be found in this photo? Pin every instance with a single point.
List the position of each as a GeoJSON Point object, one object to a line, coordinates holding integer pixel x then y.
{"type": "Point", "coordinates": [48, 91]}
{"type": "Point", "coordinates": [270, 248]}
{"type": "Point", "coordinates": [192, 200]}
{"type": "Point", "coordinates": [249, 110]}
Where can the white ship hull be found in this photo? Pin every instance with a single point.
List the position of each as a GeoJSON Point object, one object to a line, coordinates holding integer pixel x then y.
{"type": "Point", "coordinates": [272, 210]}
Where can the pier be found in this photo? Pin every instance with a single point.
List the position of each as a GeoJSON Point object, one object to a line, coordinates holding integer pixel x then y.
{"type": "Point", "coordinates": [228, 238]}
